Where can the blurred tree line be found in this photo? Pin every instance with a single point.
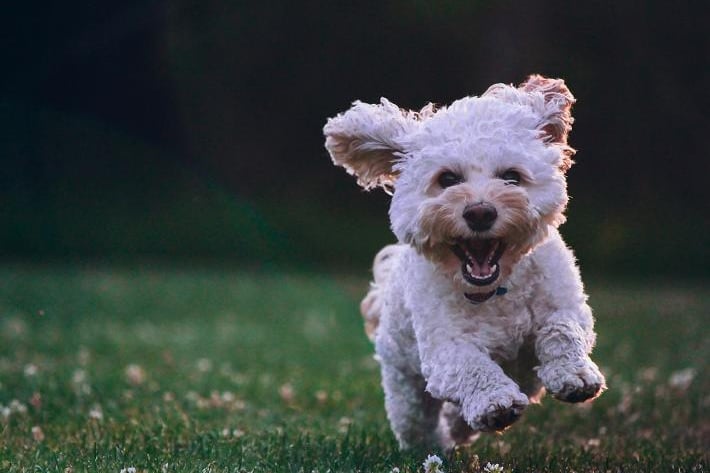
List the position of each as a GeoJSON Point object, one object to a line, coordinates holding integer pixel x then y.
{"type": "Point", "coordinates": [192, 129]}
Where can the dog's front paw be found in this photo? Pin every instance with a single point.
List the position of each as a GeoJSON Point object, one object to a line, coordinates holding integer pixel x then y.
{"type": "Point", "coordinates": [572, 380]}
{"type": "Point", "coordinates": [492, 412]}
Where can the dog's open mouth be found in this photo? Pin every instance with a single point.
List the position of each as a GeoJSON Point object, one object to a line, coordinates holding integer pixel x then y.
{"type": "Point", "coordinates": [479, 259]}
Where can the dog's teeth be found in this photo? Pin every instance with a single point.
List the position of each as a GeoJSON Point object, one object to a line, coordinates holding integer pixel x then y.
{"type": "Point", "coordinates": [469, 269]}
{"type": "Point", "coordinates": [493, 268]}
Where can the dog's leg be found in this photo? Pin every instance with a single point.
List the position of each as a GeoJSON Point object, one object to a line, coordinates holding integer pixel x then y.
{"type": "Point", "coordinates": [413, 413]}
{"type": "Point", "coordinates": [566, 370]}
{"type": "Point", "coordinates": [491, 400]}
{"type": "Point", "coordinates": [564, 327]}
{"type": "Point", "coordinates": [457, 370]}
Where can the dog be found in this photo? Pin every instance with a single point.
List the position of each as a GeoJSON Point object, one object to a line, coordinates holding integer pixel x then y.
{"type": "Point", "coordinates": [479, 309]}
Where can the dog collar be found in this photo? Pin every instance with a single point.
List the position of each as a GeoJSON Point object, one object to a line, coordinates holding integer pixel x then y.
{"type": "Point", "coordinates": [478, 298]}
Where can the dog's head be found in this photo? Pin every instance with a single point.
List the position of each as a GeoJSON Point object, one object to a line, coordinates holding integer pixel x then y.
{"type": "Point", "coordinates": [476, 185]}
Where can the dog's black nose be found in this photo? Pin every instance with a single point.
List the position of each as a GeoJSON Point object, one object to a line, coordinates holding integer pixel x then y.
{"type": "Point", "coordinates": [480, 217]}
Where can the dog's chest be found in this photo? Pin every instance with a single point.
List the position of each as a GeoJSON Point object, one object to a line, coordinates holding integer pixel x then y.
{"type": "Point", "coordinates": [503, 323]}
{"type": "Point", "coordinates": [500, 326]}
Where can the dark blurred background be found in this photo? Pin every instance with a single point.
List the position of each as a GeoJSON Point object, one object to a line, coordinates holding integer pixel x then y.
{"type": "Point", "coordinates": [191, 130]}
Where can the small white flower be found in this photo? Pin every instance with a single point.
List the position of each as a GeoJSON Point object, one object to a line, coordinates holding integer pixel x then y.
{"type": "Point", "coordinates": [80, 382]}
{"type": "Point", "coordinates": [37, 433]}
{"type": "Point", "coordinates": [96, 413]}
{"type": "Point", "coordinates": [286, 392]}
{"type": "Point", "coordinates": [682, 379]}
{"type": "Point", "coordinates": [493, 468]}
{"type": "Point", "coordinates": [135, 374]}
{"type": "Point", "coordinates": [78, 376]}
{"type": "Point", "coordinates": [204, 365]}
{"type": "Point", "coordinates": [344, 424]}
{"type": "Point", "coordinates": [30, 370]}
{"type": "Point", "coordinates": [164, 468]}
{"type": "Point", "coordinates": [17, 406]}
{"type": "Point", "coordinates": [432, 464]}
{"type": "Point", "coordinates": [321, 396]}
{"type": "Point", "coordinates": [394, 470]}
{"type": "Point", "coordinates": [130, 469]}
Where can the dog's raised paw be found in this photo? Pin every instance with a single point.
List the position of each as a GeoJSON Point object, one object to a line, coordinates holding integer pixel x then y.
{"type": "Point", "coordinates": [571, 393]}
{"type": "Point", "coordinates": [500, 417]}
{"type": "Point", "coordinates": [499, 414]}
{"type": "Point", "coordinates": [573, 382]}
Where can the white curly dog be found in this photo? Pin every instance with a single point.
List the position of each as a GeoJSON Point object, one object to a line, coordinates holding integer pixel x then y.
{"type": "Point", "coordinates": [480, 307]}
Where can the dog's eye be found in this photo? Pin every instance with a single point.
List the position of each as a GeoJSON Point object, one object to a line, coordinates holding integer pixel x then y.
{"type": "Point", "coordinates": [510, 177]}
{"type": "Point", "coordinates": [448, 179]}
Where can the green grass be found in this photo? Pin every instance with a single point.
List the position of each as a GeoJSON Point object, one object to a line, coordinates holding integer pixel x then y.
{"type": "Point", "coordinates": [224, 370]}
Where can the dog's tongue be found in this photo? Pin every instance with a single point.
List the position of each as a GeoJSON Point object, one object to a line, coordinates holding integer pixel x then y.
{"type": "Point", "coordinates": [480, 252]}
{"type": "Point", "coordinates": [480, 270]}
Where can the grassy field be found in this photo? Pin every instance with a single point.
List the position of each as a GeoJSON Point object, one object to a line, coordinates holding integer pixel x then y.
{"type": "Point", "coordinates": [214, 370]}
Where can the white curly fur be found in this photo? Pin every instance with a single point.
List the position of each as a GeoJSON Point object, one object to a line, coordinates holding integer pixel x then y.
{"type": "Point", "coordinates": [450, 367]}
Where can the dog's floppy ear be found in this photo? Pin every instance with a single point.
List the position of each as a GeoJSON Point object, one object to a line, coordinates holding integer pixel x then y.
{"type": "Point", "coordinates": [365, 141]}
{"type": "Point", "coordinates": [555, 110]}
